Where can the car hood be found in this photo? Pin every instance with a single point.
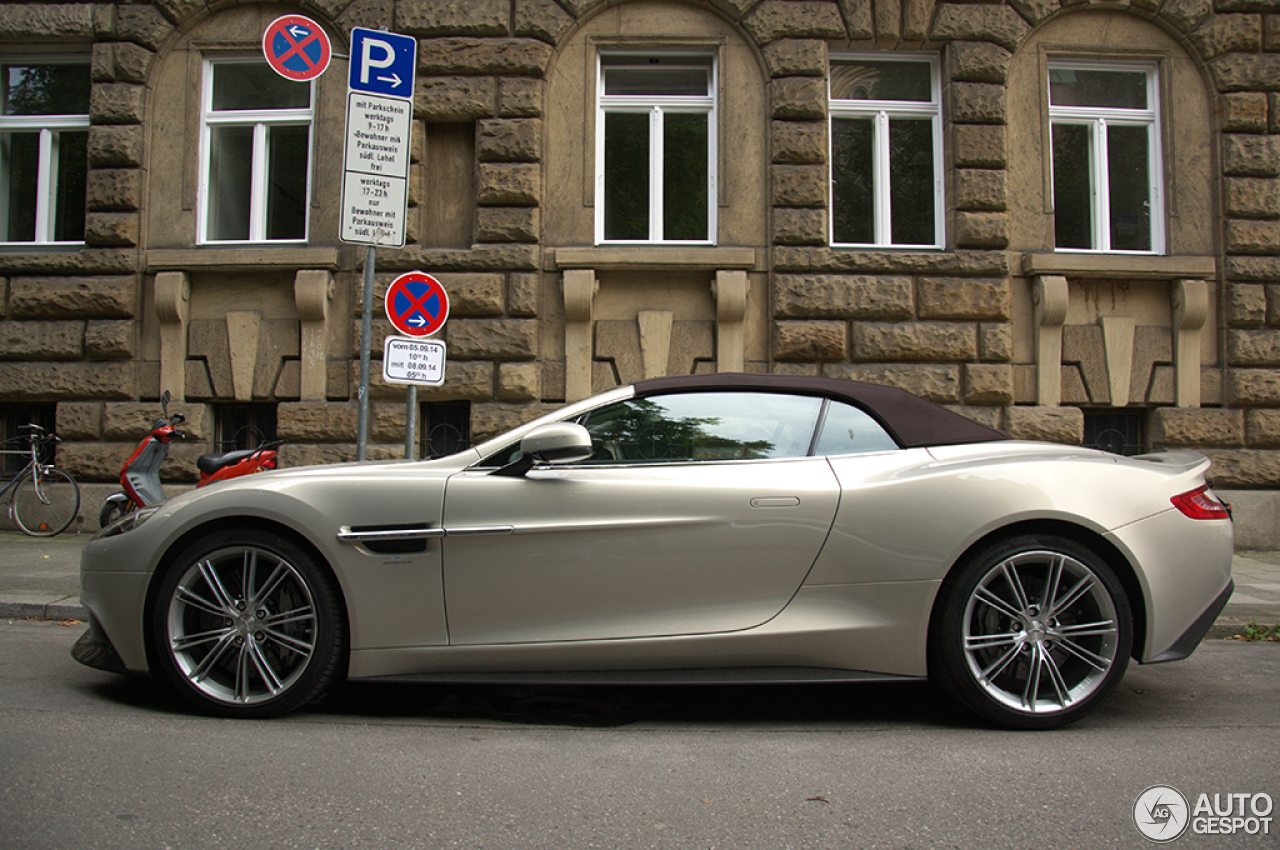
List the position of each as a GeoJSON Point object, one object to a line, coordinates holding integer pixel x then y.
{"type": "Point", "coordinates": [319, 496]}
{"type": "Point", "coordinates": [283, 479]}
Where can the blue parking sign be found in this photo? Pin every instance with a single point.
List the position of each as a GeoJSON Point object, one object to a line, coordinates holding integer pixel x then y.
{"type": "Point", "coordinates": [383, 63]}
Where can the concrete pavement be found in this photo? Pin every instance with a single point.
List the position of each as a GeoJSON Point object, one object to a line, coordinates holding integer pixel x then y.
{"type": "Point", "coordinates": [40, 578]}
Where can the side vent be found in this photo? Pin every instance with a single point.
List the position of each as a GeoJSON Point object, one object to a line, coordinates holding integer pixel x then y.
{"type": "Point", "coordinates": [390, 539]}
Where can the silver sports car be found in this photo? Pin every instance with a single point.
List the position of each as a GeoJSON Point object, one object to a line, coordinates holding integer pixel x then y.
{"type": "Point", "coordinates": [720, 528]}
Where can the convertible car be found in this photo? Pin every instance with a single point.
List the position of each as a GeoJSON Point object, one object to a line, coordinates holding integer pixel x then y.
{"type": "Point", "coordinates": [717, 528]}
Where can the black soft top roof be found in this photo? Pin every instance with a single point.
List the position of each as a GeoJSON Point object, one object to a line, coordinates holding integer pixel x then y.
{"type": "Point", "coordinates": [911, 420]}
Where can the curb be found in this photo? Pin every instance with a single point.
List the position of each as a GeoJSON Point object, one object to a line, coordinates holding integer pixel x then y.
{"type": "Point", "coordinates": [68, 609]}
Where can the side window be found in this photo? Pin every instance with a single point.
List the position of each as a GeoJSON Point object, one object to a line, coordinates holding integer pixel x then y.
{"type": "Point", "coordinates": [703, 427]}
{"type": "Point", "coordinates": [256, 167]}
{"type": "Point", "coordinates": [848, 430]}
{"type": "Point", "coordinates": [656, 148]}
{"type": "Point", "coordinates": [44, 134]}
{"type": "Point", "coordinates": [886, 151]}
{"type": "Point", "coordinates": [1107, 189]}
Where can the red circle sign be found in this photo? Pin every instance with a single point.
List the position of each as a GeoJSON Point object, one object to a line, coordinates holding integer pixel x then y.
{"type": "Point", "coordinates": [417, 304]}
{"type": "Point", "coordinates": [296, 47]}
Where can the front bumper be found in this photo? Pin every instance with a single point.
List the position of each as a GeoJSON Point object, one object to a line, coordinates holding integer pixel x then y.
{"type": "Point", "coordinates": [94, 649]}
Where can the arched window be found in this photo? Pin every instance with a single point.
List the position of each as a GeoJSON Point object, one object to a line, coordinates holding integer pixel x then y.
{"type": "Point", "coordinates": [1109, 122]}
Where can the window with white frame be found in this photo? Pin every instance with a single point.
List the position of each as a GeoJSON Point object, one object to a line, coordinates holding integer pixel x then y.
{"type": "Point", "coordinates": [656, 148]}
{"type": "Point", "coordinates": [256, 168]}
{"type": "Point", "coordinates": [886, 151]}
{"type": "Point", "coordinates": [1107, 186]}
{"type": "Point", "coordinates": [44, 136]}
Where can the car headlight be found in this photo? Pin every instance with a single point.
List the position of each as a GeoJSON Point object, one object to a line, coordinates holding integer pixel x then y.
{"type": "Point", "coordinates": [128, 522]}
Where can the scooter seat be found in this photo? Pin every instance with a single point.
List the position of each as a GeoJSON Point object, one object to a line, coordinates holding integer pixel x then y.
{"type": "Point", "coordinates": [212, 463]}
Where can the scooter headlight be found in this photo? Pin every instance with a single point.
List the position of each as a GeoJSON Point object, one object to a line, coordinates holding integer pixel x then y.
{"type": "Point", "coordinates": [129, 521]}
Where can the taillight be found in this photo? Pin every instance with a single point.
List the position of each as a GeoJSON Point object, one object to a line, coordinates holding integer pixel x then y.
{"type": "Point", "coordinates": [1201, 504]}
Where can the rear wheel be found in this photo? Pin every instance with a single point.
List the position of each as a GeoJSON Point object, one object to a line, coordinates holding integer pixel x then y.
{"type": "Point", "coordinates": [246, 624]}
{"type": "Point", "coordinates": [46, 504]}
{"type": "Point", "coordinates": [1032, 632]}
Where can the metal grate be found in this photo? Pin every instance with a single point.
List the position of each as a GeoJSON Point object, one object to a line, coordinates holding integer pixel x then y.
{"type": "Point", "coordinates": [12, 417]}
{"type": "Point", "coordinates": [446, 427]}
{"type": "Point", "coordinates": [1120, 432]}
{"type": "Point", "coordinates": [244, 426]}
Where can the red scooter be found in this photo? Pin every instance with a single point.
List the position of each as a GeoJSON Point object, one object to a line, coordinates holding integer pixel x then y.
{"type": "Point", "coordinates": [140, 475]}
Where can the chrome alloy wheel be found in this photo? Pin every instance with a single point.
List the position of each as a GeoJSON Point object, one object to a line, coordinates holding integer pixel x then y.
{"type": "Point", "coordinates": [241, 625]}
{"type": "Point", "coordinates": [1040, 632]}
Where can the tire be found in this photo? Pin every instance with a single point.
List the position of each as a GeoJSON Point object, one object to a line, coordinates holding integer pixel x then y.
{"type": "Point", "coordinates": [112, 510]}
{"type": "Point", "coordinates": [247, 624]}
{"type": "Point", "coordinates": [46, 508]}
{"type": "Point", "coordinates": [1032, 633]}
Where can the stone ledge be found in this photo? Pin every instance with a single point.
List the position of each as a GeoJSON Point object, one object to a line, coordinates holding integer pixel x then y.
{"type": "Point", "coordinates": [236, 259]}
{"type": "Point", "coordinates": [643, 258]}
{"type": "Point", "coordinates": [1120, 265]}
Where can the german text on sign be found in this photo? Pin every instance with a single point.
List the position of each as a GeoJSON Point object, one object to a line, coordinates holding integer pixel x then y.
{"type": "Point", "coordinates": [413, 361]}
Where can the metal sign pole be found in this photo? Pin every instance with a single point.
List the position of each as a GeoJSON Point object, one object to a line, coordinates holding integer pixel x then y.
{"type": "Point", "coordinates": [366, 338]}
{"type": "Point", "coordinates": [411, 423]}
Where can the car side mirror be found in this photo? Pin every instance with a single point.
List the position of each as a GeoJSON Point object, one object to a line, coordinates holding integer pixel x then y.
{"type": "Point", "coordinates": [555, 442]}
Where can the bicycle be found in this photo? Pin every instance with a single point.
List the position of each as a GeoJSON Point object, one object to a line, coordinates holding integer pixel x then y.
{"type": "Point", "coordinates": [43, 500]}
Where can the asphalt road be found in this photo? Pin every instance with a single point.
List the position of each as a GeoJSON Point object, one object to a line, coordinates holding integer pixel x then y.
{"type": "Point", "coordinates": [88, 759]}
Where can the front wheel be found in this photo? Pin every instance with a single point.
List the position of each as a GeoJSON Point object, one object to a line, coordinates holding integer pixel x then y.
{"type": "Point", "coordinates": [1032, 632]}
{"type": "Point", "coordinates": [46, 503]}
{"type": "Point", "coordinates": [246, 624]}
{"type": "Point", "coordinates": [112, 510]}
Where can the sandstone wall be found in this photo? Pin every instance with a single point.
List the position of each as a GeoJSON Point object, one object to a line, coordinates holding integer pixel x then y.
{"type": "Point", "coordinates": [79, 328]}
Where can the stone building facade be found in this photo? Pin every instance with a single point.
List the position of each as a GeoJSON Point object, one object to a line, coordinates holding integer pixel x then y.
{"type": "Point", "coordinates": [1060, 217]}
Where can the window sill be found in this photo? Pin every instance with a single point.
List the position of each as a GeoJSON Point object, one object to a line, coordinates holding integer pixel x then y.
{"type": "Point", "coordinates": [39, 247]}
{"type": "Point", "coordinates": [654, 257]}
{"type": "Point", "coordinates": [1132, 266]}
{"type": "Point", "coordinates": [242, 258]}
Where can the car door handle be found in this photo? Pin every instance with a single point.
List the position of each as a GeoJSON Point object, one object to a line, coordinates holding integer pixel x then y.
{"type": "Point", "coordinates": [776, 502]}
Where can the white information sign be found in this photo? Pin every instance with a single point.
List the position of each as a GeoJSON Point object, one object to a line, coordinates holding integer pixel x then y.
{"type": "Point", "coordinates": [408, 360]}
{"type": "Point", "coordinates": [372, 205]}
{"type": "Point", "coordinates": [376, 170]}
{"type": "Point", "coordinates": [378, 131]}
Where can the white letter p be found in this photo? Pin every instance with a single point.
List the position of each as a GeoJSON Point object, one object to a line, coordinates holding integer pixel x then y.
{"type": "Point", "coordinates": [367, 61]}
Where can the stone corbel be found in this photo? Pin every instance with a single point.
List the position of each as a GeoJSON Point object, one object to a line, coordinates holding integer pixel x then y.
{"type": "Point", "coordinates": [580, 289]}
{"type": "Point", "coordinates": [655, 341]}
{"type": "Point", "coordinates": [1190, 311]}
{"type": "Point", "coordinates": [730, 291]}
{"type": "Point", "coordinates": [1050, 297]}
{"type": "Point", "coordinates": [244, 329]}
{"type": "Point", "coordinates": [312, 291]}
{"type": "Point", "coordinates": [173, 302]}
{"type": "Point", "coordinates": [1118, 335]}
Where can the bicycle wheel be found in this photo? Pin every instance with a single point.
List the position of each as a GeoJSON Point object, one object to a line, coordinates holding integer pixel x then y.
{"type": "Point", "coordinates": [46, 505]}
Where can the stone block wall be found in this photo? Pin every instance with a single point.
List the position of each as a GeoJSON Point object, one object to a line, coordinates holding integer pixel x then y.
{"type": "Point", "coordinates": [77, 329]}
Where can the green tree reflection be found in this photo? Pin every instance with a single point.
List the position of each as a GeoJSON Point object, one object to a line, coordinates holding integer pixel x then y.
{"type": "Point", "coordinates": [46, 89]}
{"type": "Point", "coordinates": [643, 430]}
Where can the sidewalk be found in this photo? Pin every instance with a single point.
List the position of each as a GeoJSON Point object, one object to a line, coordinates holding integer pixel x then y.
{"type": "Point", "coordinates": [40, 578]}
